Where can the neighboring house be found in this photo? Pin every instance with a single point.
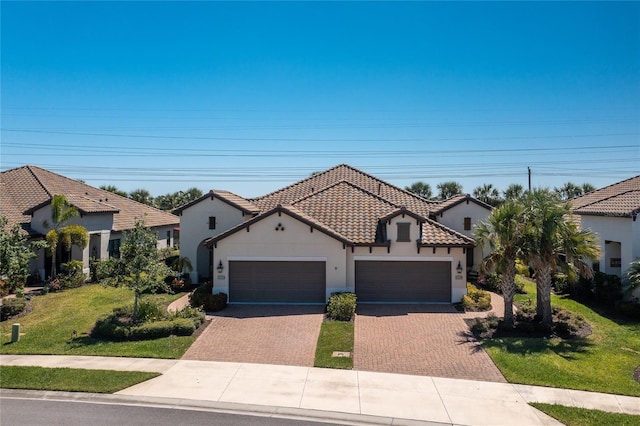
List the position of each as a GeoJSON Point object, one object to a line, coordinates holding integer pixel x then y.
{"type": "Point", "coordinates": [338, 230]}
{"type": "Point", "coordinates": [462, 213]}
{"type": "Point", "coordinates": [612, 213]}
{"type": "Point", "coordinates": [25, 199]}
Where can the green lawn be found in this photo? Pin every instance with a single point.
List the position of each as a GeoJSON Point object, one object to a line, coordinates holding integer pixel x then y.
{"type": "Point", "coordinates": [572, 416]}
{"type": "Point", "coordinates": [602, 362]}
{"type": "Point", "coordinates": [334, 336]}
{"type": "Point", "coordinates": [48, 328]}
{"type": "Point", "coordinates": [70, 379]}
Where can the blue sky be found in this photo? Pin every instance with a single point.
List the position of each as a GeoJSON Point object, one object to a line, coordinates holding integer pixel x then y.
{"type": "Point", "coordinates": [250, 97]}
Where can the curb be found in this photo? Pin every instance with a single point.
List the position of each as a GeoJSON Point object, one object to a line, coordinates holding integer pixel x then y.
{"type": "Point", "coordinates": [222, 407]}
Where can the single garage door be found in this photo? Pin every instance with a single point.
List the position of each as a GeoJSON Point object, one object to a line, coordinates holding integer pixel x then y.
{"type": "Point", "coordinates": [277, 282]}
{"type": "Point", "coordinates": [389, 281]}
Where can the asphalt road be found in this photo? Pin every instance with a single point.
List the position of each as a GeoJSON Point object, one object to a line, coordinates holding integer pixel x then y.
{"type": "Point", "coordinates": [38, 412]}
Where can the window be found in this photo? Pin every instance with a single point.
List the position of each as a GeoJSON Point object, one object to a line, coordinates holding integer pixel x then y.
{"type": "Point", "coordinates": [467, 224]}
{"type": "Point", "coordinates": [212, 222]}
{"type": "Point", "coordinates": [114, 248]}
{"type": "Point", "coordinates": [168, 238]}
{"type": "Point", "coordinates": [404, 232]}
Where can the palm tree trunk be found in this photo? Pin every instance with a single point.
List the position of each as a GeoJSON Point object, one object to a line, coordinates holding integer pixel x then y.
{"type": "Point", "coordinates": [543, 284]}
{"type": "Point", "coordinates": [508, 291]}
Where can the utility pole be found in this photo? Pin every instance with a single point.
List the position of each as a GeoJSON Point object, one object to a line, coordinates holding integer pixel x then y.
{"type": "Point", "coordinates": [529, 173]}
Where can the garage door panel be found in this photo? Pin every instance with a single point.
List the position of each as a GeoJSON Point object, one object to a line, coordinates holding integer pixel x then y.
{"type": "Point", "coordinates": [403, 281]}
{"type": "Point", "coordinates": [277, 282]}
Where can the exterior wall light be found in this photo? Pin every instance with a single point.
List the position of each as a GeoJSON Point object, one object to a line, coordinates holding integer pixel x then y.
{"type": "Point", "coordinates": [220, 267]}
{"type": "Point", "coordinates": [459, 267]}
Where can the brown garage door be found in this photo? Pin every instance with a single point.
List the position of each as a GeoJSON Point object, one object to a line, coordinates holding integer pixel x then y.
{"type": "Point", "coordinates": [277, 282]}
{"type": "Point", "coordinates": [388, 281]}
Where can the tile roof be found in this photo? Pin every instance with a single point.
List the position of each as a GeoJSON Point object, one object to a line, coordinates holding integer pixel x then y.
{"type": "Point", "coordinates": [226, 196]}
{"type": "Point", "coordinates": [26, 187]}
{"type": "Point", "coordinates": [351, 214]}
{"type": "Point", "coordinates": [343, 172]}
{"type": "Point", "coordinates": [455, 200]}
{"type": "Point", "coordinates": [347, 209]}
{"type": "Point", "coordinates": [619, 199]}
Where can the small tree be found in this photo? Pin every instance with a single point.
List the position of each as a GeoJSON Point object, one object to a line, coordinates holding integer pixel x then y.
{"type": "Point", "coordinates": [420, 188]}
{"type": "Point", "coordinates": [139, 267]}
{"type": "Point", "coordinates": [15, 254]}
{"type": "Point", "coordinates": [513, 192]}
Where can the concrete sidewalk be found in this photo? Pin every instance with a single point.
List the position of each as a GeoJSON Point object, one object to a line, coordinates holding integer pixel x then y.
{"type": "Point", "coordinates": [340, 392]}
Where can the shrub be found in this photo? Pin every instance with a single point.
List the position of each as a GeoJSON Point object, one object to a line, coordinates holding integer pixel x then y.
{"type": "Point", "coordinates": [74, 276]}
{"type": "Point", "coordinates": [560, 283]}
{"type": "Point", "coordinates": [492, 283]}
{"type": "Point", "coordinates": [11, 307]}
{"type": "Point", "coordinates": [522, 269]}
{"type": "Point", "coordinates": [520, 281]}
{"type": "Point", "coordinates": [607, 288]}
{"type": "Point", "coordinates": [476, 299]}
{"type": "Point", "coordinates": [196, 314]}
{"type": "Point", "coordinates": [341, 306]}
{"type": "Point", "coordinates": [105, 268]}
{"type": "Point", "coordinates": [149, 310]}
{"type": "Point", "coordinates": [53, 285]}
{"type": "Point", "coordinates": [202, 298]}
{"type": "Point", "coordinates": [118, 326]}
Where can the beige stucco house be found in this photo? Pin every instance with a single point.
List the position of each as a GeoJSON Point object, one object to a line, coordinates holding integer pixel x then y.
{"type": "Point", "coordinates": [612, 213]}
{"type": "Point", "coordinates": [338, 230]}
{"type": "Point", "coordinates": [25, 199]}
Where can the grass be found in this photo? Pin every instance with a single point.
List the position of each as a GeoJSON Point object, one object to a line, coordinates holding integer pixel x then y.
{"type": "Point", "coordinates": [334, 336]}
{"type": "Point", "coordinates": [70, 379]}
{"type": "Point", "coordinates": [572, 416]}
{"type": "Point", "coordinates": [602, 362]}
{"type": "Point", "coordinates": [48, 328]}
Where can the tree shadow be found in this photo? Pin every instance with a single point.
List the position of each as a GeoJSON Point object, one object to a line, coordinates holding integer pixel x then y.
{"type": "Point", "coordinates": [565, 348]}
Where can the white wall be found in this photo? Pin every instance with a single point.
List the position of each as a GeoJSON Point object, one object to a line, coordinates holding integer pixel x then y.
{"type": "Point", "coordinates": [618, 229]}
{"type": "Point", "coordinates": [296, 242]}
{"type": "Point", "coordinates": [454, 218]}
{"type": "Point", "coordinates": [194, 227]}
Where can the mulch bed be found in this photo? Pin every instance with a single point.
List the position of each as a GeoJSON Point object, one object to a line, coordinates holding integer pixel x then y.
{"type": "Point", "coordinates": [573, 327]}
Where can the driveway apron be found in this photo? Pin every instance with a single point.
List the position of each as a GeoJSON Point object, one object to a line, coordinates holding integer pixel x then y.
{"type": "Point", "coordinates": [428, 340]}
{"type": "Point", "coordinates": [263, 334]}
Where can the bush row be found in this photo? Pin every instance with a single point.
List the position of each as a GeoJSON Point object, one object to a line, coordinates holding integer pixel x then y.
{"type": "Point", "coordinates": [341, 306]}
{"type": "Point", "coordinates": [153, 322]}
{"type": "Point", "coordinates": [12, 307]}
{"type": "Point", "coordinates": [202, 297]}
{"type": "Point", "coordinates": [476, 299]}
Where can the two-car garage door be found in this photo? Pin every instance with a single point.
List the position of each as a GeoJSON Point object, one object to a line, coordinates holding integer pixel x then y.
{"type": "Point", "coordinates": [403, 281]}
{"type": "Point", "coordinates": [277, 282]}
{"type": "Point", "coordinates": [305, 281]}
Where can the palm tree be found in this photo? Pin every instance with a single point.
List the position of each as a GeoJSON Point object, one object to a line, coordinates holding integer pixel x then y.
{"type": "Point", "coordinates": [114, 189]}
{"type": "Point", "coordinates": [501, 233]}
{"type": "Point", "coordinates": [448, 189]}
{"type": "Point", "coordinates": [420, 188]}
{"type": "Point", "coordinates": [487, 194]}
{"type": "Point", "coordinates": [632, 276]}
{"type": "Point", "coordinates": [142, 196]}
{"type": "Point", "coordinates": [552, 242]}
{"type": "Point", "coordinates": [61, 212]}
{"type": "Point", "coordinates": [513, 192]}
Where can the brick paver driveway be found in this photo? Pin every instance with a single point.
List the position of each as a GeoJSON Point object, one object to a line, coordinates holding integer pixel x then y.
{"type": "Point", "coordinates": [429, 340]}
{"type": "Point", "coordinates": [285, 335]}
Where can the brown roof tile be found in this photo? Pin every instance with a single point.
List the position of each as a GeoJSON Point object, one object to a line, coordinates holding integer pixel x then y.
{"type": "Point", "coordinates": [455, 200]}
{"type": "Point", "coordinates": [29, 186]}
{"type": "Point", "coordinates": [226, 196]}
{"type": "Point", "coordinates": [619, 199]}
{"type": "Point", "coordinates": [343, 172]}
